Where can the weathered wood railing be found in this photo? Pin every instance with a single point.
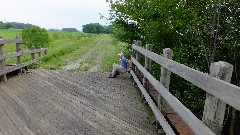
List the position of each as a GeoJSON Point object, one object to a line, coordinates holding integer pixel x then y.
{"type": "Point", "coordinates": [216, 84]}
{"type": "Point", "coordinates": [18, 54]}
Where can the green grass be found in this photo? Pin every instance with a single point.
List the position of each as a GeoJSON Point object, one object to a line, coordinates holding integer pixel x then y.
{"type": "Point", "coordinates": [104, 54]}
{"type": "Point", "coordinates": [111, 55]}
{"type": "Point", "coordinates": [86, 65]}
{"type": "Point", "coordinates": [69, 47]}
{"type": "Point", "coordinates": [63, 51]}
{"type": "Point", "coordinates": [60, 54]}
{"type": "Point", "coordinates": [10, 33]}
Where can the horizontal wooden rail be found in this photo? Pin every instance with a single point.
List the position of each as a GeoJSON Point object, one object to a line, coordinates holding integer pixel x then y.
{"type": "Point", "coordinates": [6, 56]}
{"type": "Point", "coordinates": [34, 51]}
{"type": "Point", "coordinates": [13, 68]}
{"type": "Point", "coordinates": [191, 120]}
{"type": "Point", "coordinates": [10, 41]}
{"type": "Point", "coordinates": [18, 55]}
{"type": "Point", "coordinates": [167, 128]}
{"type": "Point", "coordinates": [225, 91]}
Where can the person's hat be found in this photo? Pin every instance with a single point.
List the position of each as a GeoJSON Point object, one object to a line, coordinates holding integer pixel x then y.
{"type": "Point", "coordinates": [120, 54]}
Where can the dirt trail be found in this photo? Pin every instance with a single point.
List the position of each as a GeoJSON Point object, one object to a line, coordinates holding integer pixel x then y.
{"type": "Point", "coordinates": [97, 57]}
{"type": "Point", "coordinates": [76, 64]}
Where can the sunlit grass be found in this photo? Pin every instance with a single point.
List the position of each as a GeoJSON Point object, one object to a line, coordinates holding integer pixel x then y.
{"type": "Point", "coordinates": [68, 47]}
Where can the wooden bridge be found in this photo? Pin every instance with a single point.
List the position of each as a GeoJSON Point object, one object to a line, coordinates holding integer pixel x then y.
{"type": "Point", "coordinates": [65, 102]}
{"type": "Point", "coordinates": [62, 102]}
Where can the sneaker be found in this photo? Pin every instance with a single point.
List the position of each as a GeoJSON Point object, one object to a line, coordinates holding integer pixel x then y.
{"type": "Point", "coordinates": [117, 73]}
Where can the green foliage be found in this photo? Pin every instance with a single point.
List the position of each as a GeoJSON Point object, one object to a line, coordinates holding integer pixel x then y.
{"type": "Point", "coordinates": [14, 25]}
{"type": "Point", "coordinates": [63, 51]}
{"type": "Point", "coordinates": [56, 35]}
{"type": "Point", "coordinates": [10, 33]}
{"type": "Point", "coordinates": [2, 25]}
{"type": "Point", "coordinates": [199, 32]}
{"type": "Point", "coordinates": [35, 36]}
{"type": "Point", "coordinates": [96, 28]}
{"type": "Point", "coordinates": [70, 29]}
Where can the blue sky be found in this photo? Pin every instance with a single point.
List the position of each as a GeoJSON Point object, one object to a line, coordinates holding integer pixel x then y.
{"type": "Point", "coordinates": [55, 14]}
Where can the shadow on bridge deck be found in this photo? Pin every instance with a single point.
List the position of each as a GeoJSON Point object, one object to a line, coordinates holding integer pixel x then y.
{"type": "Point", "coordinates": [61, 102]}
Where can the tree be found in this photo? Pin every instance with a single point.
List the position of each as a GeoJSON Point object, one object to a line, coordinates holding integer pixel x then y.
{"type": "Point", "coordinates": [199, 32]}
{"type": "Point", "coordinates": [35, 36]}
{"type": "Point", "coordinates": [92, 28]}
{"type": "Point", "coordinates": [14, 25]}
{"type": "Point", "coordinates": [2, 25]}
{"type": "Point", "coordinates": [70, 29]}
{"type": "Point", "coordinates": [96, 28]}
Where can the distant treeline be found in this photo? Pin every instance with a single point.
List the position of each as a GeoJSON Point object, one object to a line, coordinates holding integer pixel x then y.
{"type": "Point", "coordinates": [14, 25]}
{"type": "Point", "coordinates": [65, 29]}
{"type": "Point", "coordinates": [97, 28]}
{"type": "Point", "coordinates": [70, 29]}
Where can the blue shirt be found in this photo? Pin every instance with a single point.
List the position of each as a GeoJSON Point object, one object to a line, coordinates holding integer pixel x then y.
{"type": "Point", "coordinates": [124, 62]}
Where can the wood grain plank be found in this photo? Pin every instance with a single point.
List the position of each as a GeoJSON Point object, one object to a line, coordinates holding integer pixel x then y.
{"type": "Point", "coordinates": [13, 68]}
{"type": "Point", "coordinates": [6, 56]}
{"type": "Point", "coordinates": [29, 119]}
{"type": "Point", "coordinates": [225, 91]}
{"type": "Point", "coordinates": [214, 109]}
{"type": "Point", "coordinates": [191, 120]}
{"type": "Point", "coordinates": [166, 127]}
{"type": "Point", "coordinates": [34, 51]}
{"type": "Point", "coordinates": [98, 99]}
{"type": "Point", "coordinates": [81, 106]}
{"type": "Point", "coordinates": [10, 41]}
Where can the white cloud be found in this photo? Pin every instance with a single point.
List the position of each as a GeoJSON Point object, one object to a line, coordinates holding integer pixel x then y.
{"type": "Point", "coordinates": [54, 13]}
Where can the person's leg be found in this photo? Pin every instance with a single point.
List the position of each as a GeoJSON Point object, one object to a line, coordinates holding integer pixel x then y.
{"type": "Point", "coordinates": [114, 69]}
{"type": "Point", "coordinates": [121, 70]}
{"type": "Point", "coordinates": [117, 69]}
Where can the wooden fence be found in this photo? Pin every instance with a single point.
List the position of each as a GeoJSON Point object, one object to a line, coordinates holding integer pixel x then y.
{"type": "Point", "coordinates": [18, 54]}
{"type": "Point", "coordinates": [216, 84]}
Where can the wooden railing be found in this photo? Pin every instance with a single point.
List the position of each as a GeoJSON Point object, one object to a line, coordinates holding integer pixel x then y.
{"type": "Point", "coordinates": [216, 84]}
{"type": "Point", "coordinates": [18, 54]}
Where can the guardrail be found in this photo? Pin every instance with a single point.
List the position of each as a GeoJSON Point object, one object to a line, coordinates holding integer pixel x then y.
{"type": "Point", "coordinates": [18, 54]}
{"type": "Point", "coordinates": [216, 84]}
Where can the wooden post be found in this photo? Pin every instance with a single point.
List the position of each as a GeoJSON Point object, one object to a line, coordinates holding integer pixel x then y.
{"type": "Point", "coordinates": [134, 55]}
{"type": "Point", "coordinates": [139, 43]}
{"type": "Point", "coordinates": [33, 54]}
{"type": "Point", "coordinates": [148, 62]}
{"type": "Point", "coordinates": [39, 53]}
{"type": "Point", "coordinates": [165, 81]}
{"type": "Point", "coordinates": [214, 109]}
{"type": "Point", "coordinates": [45, 52]}
{"type": "Point", "coordinates": [134, 51]}
{"type": "Point", "coordinates": [19, 58]}
{"type": "Point", "coordinates": [2, 65]}
{"type": "Point", "coordinates": [147, 66]}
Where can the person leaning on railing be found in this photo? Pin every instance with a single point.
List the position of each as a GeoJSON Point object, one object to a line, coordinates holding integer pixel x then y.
{"type": "Point", "coordinates": [126, 66]}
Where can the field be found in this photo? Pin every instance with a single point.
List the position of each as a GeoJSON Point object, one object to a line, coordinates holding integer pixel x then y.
{"type": "Point", "coordinates": [73, 51]}
{"type": "Point", "coordinates": [76, 52]}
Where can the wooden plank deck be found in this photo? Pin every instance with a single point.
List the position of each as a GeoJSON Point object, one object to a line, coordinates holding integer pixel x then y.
{"type": "Point", "coordinates": [63, 102]}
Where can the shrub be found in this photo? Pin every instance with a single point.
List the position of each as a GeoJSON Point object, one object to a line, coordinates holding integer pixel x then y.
{"type": "Point", "coordinates": [35, 36]}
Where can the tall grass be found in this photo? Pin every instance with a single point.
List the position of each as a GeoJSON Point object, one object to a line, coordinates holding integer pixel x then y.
{"type": "Point", "coordinates": [10, 33]}
{"type": "Point", "coordinates": [68, 47]}
{"type": "Point", "coordinates": [69, 50]}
